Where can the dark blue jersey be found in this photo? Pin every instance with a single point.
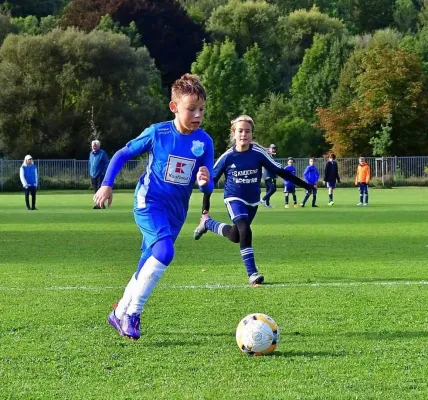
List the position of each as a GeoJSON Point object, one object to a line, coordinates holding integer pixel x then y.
{"type": "Point", "coordinates": [243, 173]}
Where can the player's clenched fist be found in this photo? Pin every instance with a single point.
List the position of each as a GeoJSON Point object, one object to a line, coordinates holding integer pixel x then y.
{"type": "Point", "coordinates": [203, 176]}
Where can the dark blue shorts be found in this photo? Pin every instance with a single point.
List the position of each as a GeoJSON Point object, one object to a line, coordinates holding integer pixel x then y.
{"type": "Point", "coordinates": [290, 188]}
{"type": "Point", "coordinates": [237, 209]}
{"type": "Point", "coordinates": [331, 185]}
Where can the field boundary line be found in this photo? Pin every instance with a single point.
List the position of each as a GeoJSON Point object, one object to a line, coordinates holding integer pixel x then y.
{"type": "Point", "coordinates": [223, 286]}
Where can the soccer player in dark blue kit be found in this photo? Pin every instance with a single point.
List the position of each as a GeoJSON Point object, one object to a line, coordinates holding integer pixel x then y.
{"type": "Point", "coordinates": [331, 176]}
{"type": "Point", "coordinates": [290, 187]}
{"type": "Point", "coordinates": [242, 166]}
{"type": "Point", "coordinates": [180, 153]}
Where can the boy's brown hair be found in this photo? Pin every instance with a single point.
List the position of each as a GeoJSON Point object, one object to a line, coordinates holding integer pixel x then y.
{"type": "Point", "coordinates": [188, 84]}
{"type": "Point", "coordinates": [332, 156]}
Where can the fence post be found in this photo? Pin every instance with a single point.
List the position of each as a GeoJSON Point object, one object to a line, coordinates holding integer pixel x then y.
{"type": "Point", "coordinates": [74, 174]}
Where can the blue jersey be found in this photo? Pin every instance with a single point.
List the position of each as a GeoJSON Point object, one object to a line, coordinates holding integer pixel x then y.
{"type": "Point", "coordinates": [311, 174]}
{"type": "Point", "coordinates": [174, 160]}
{"type": "Point", "coordinates": [292, 170]}
{"type": "Point", "coordinates": [243, 173]}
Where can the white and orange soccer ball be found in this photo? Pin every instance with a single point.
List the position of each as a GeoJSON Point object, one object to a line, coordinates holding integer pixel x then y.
{"type": "Point", "coordinates": [257, 334]}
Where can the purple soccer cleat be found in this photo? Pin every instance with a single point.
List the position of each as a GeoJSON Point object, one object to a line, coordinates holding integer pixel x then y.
{"type": "Point", "coordinates": [115, 322]}
{"type": "Point", "coordinates": [130, 326]}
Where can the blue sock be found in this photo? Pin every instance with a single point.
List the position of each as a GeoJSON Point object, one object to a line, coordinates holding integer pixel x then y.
{"type": "Point", "coordinates": [330, 197]}
{"type": "Point", "coordinates": [215, 226]}
{"type": "Point", "coordinates": [314, 199]}
{"type": "Point", "coordinates": [361, 198]}
{"type": "Point", "coordinates": [367, 198]}
{"type": "Point", "coordinates": [247, 255]}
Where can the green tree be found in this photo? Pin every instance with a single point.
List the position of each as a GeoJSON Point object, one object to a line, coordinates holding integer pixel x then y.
{"type": "Point", "coordinates": [5, 26]}
{"type": "Point", "coordinates": [220, 69]}
{"type": "Point", "coordinates": [201, 10]}
{"type": "Point", "coordinates": [276, 123]}
{"type": "Point", "coordinates": [53, 89]}
{"type": "Point", "coordinates": [246, 23]}
{"type": "Point", "coordinates": [38, 8]}
{"type": "Point", "coordinates": [171, 36]}
{"type": "Point", "coordinates": [318, 75]}
{"type": "Point", "coordinates": [296, 33]}
{"type": "Point", "coordinates": [31, 25]}
{"type": "Point", "coordinates": [405, 15]}
{"type": "Point", "coordinates": [386, 103]}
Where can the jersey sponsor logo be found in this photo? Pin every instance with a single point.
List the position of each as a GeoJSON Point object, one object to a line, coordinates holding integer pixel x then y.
{"type": "Point", "coordinates": [179, 170]}
{"type": "Point", "coordinates": [244, 180]}
{"type": "Point", "coordinates": [233, 166]}
{"type": "Point", "coordinates": [245, 173]}
{"type": "Point", "coordinates": [164, 131]}
{"type": "Point", "coordinates": [197, 148]}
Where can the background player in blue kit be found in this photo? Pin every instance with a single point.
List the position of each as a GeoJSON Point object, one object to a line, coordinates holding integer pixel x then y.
{"type": "Point", "coordinates": [311, 176]}
{"type": "Point", "coordinates": [242, 165]}
{"type": "Point", "coordinates": [179, 154]}
{"type": "Point", "coordinates": [290, 187]}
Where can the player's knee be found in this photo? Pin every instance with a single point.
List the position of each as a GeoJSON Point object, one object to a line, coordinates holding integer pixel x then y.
{"type": "Point", "coordinates": [232, 233]}
{"type": "Point", "coordinates": [245, 233]}
{"type": "Point", "coordinates": [163, 250]}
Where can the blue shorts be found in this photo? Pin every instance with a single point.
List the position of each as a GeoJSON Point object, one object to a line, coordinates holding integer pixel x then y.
{"type": "Point", "coordinates": [239, 210]}
{"type": "Point", "coordinates": [290, 188]}
{"type": "Point", "coordinates": [363, 187]}
{"type": "Point", "coordinates": [331, 185]}
{"type": "Point", "coordinates": [155, 223]}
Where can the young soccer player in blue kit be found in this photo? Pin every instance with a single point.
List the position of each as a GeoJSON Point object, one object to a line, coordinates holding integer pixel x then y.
{"type": "Point", "coordinates": [290, 187]}
{"type": "Point", "coordinates": [311, 176]}
{"type": "Point", "coordinates": [180, 153]}
{"type": "Point", "coordinates": [242, 165]}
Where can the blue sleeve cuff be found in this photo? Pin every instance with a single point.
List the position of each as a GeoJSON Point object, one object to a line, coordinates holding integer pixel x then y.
{"type": "Point", "coordinates": [207, 188]}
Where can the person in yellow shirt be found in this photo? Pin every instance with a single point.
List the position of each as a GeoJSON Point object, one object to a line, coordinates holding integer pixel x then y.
{"type": "Point", "coordinates": [362, 180]}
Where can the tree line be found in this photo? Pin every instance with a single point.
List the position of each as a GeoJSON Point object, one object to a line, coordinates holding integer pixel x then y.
{"type": "Point", "coordinates": [348, 76]}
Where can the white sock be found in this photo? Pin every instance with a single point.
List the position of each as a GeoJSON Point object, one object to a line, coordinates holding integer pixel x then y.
{"type": "Point", "coordinates": [126, 298]}
{"type": "Point", "coordinates": [147, 280]}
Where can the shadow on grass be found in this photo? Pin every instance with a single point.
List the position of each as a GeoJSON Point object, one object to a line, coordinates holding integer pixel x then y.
{"type": "Point", "coordinates": [306, 354]}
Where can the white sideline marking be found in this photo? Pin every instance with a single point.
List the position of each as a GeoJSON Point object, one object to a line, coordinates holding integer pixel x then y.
{"type": "Point", "coordinates": [222, 286]}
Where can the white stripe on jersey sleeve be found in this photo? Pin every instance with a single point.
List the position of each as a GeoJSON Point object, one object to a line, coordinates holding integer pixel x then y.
{"type": "Point", "coordinates": [262, 150]}
{"type": "Point", "coordinates": [223, 155]}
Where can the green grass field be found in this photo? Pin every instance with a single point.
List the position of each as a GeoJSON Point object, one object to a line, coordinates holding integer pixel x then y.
{"type": "Point", "coordinates": [347, 285]}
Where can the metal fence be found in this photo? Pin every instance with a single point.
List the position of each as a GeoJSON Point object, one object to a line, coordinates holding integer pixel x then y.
{"type": "Point", "coordinates": [73, 174]}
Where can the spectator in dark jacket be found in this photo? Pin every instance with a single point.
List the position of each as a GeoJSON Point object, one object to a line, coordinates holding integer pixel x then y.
{"type": "Point", "coordinates": [98, 162]}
